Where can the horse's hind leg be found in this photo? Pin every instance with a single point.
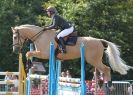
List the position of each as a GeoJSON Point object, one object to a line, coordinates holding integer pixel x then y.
{"type": "Point", "coordinates": [94, 57]}
{"type": "Point", "coordinates": [105, 69]}
{"type": "Point", "coordinates": [102, 68]}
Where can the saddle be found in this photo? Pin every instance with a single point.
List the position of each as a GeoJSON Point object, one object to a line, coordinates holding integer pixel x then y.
{"type": "Point", "coordinates": [71, 39]}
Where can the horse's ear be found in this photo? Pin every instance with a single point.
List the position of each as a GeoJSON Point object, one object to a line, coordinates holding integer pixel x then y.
{"type": "Point", "coordinates": [12, 29]}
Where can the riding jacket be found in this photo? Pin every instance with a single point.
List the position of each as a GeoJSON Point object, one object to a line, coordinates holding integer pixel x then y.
{"type": "Point", "coordinates": [59, 23]}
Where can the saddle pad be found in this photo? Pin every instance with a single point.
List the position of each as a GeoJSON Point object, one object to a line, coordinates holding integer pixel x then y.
{"type": "Point", "coordinates": [71, 41]}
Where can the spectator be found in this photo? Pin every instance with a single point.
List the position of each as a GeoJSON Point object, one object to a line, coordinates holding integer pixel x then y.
{"type": "Point", "coordinates": [63, 74]}
{"type": "Point", "coordinates": [130, 90]}
{"type": "Point", "coordinates": [16, 83]}
{"type": "Point", "coordinates": [68, 75]}
{"type": "Point", "coordinates": [98, 82]}
{"type": "Point", "coordinates": [8, 77]}
{"type": "Point", "coordinates": [36, 83]}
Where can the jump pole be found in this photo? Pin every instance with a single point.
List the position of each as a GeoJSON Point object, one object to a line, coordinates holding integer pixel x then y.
{"type": "Point", "coordinates": [58, 70]}
{"type": "Point", "coordinates": [54, 72]}
{"type": "Point", "coordinates": [83, 85]}
{"type": "Point", "coordinates": [52, 76]}
{"type": "Point", "coordinates": [28, 83]}
{"type": "Point", "coordinates": [22, 76]}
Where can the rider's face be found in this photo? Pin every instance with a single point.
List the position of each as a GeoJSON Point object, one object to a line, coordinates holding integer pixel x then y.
{"type": "Point", "coordinates": [49, 14]}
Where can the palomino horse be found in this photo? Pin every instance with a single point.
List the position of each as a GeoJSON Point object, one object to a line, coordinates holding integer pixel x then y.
{"type": "Point", "coordinates": [94, 48]}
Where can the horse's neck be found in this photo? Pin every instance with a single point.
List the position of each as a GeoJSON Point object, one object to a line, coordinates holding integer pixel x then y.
{"type": "Point", "coordinates": [41, 40]}
{"type": "Point", "coordinates": [27, 33]}
{"type": "Point", "coordinates": [44, 40]}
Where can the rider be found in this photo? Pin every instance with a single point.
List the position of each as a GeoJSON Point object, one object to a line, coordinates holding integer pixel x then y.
{"type": "Point", "coordinates": [62, 24]}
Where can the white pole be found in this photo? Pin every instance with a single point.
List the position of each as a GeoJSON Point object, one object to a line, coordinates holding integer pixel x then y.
{"type": "Point", "coordinates": [130, 90]}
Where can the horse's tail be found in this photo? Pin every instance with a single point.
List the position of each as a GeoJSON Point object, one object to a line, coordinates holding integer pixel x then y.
{"type": "Point", "coordinates": [115, 61]}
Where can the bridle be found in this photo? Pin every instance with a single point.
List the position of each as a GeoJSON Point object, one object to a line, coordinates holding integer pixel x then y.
{"type": "Point", "coordinates": [20, 43]}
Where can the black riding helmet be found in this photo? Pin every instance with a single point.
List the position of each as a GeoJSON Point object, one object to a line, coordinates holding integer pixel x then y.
{"type": "Point", "coordinates": [52, 10]}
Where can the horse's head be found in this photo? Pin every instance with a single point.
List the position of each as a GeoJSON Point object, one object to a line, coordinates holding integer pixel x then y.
{"type": "Point", "coordinates": [17, 40]}
{"type": "Point", "coordinates": [23, 32]}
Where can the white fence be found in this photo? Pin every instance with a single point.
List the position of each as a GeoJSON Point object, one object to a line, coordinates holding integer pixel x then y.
{"type": "Point", "coordinates": [9, 87]}
{"type": "Point", "coordinates": [67, 86]}
{"type": "Point", "coordinates": [120, 88]}
{"type": "Point", "coordinates": [71, 86]}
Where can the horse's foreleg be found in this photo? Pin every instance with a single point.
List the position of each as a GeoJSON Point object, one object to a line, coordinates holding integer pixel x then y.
{"type": "Point", "coordinates": [30, 54]}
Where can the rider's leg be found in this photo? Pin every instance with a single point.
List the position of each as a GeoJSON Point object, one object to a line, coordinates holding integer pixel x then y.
{"type": "Point", "coordinates": [62, 44]}
{"type": "Point", "coordinates": [56, 39]}
{"type": "Point", "coordinates": [62, 34]}
{"type": "Point", "coordinates": [65, 32]}
{"type": "Point", "coordinates": [57, 49]}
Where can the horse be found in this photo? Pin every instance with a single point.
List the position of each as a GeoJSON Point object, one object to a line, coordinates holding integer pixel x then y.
{"type": "Point", "coordinates": [94, 48]}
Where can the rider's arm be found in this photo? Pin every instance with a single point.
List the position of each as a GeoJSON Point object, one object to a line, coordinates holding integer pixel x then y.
{"type": "Point", "coordinates": [54, 23]}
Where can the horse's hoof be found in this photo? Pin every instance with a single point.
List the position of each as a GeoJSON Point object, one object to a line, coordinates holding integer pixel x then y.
{"type": "Point", "coordinates": [28, 55]}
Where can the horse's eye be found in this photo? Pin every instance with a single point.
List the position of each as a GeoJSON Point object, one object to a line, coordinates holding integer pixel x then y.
{"type": "Point", "coordinates": [15, 37]}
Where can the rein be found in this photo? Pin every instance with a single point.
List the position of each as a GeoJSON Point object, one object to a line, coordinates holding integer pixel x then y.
{"type": "Point", "coordinates": [34, 37]}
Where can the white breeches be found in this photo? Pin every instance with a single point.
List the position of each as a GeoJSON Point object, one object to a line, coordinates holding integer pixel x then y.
{"type": "Point", "coordinates": [65, 32]}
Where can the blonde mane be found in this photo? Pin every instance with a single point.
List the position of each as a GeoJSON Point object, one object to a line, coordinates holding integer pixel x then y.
{"type": "Point", "coordinates": [28, 26]}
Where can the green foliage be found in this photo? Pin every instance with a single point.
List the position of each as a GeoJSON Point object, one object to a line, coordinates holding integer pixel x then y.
{"type": "Point", "coordinates": [13, 12]}
{"type": "Point", "coordinates": [107, 19]}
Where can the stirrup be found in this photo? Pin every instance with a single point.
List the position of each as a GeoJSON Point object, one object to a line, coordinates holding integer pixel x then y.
{"type": "Point", "coordinates": [64, 50]}
{"type": "Point", "coordinates": [61, 49]}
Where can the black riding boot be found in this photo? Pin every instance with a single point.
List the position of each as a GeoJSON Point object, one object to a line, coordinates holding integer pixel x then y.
{"type": "Point", "coordinates": [57, 51]}
{"type": "Point", "coordinates": [62, 45]}
{"type": "Point", "coordinates": [57, 40]}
